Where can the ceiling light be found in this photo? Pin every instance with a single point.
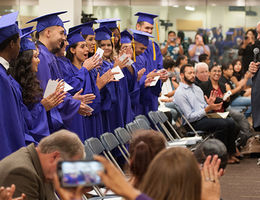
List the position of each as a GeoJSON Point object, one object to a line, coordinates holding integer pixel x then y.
{"type": "Point", "coordinates": [190, 8]}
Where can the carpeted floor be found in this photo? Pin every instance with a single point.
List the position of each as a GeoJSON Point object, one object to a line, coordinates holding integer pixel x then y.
{"type": "Point", "coordinates": [241, 181]}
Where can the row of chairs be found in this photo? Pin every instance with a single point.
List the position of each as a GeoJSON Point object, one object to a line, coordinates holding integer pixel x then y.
{"type": "Point", "coordinates": [122, 136]}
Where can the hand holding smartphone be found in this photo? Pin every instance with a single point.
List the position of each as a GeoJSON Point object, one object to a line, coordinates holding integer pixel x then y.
{"type": "Point", "coordinates": [79, 173]}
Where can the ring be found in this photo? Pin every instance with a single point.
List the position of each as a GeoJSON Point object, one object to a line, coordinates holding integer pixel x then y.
{"type": "Point", "coordinates": [207, 179]}
{"type": "Point", "coordinates": [212, 180]}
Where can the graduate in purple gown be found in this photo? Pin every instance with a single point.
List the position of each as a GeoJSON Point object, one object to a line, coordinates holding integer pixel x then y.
{"type": "Point", "coordinates": [11, 121]}
{"type": "Point", "coordinates": [50, 31]}
{"type": "Point", "coordinates": [23, 69]}
{"type": "Point", "coordinates": [112, 114]}
{"type": "Point", "coordinates": [153, 60]}
{"type": "Point", "coordinates": [75, 72]}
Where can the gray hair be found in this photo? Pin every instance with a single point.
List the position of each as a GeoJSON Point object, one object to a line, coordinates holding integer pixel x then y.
{"type": "Point", "coordinates": [65, 142]}
{"type": "Point", "coordinates": [200, 64]}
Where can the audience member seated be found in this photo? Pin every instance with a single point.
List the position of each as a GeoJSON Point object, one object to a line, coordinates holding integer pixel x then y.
{"type": "Point", "coordinates": [214, 85]}
{"type": "Point", "coordinates": [238, 76]}
{"type": "Point", "coordinates": [168, 89]}
{"type": "Point", "coordinates": [190, 99]}
{"type": "Point", "coordinates": [204, 58]}
{"type": "Point", "coordinates": [144, 146]}
{"type": "Point", "coordinates": [201, 72]}
{"type": "Point", "coordinates": [172, 47]}
{"type": "Point", "coordinates": [32, 169]}
{"type": "Point", "coordinates": [237, 99]}
{"type": "Point", "coordinates": [181, 60]}
{"type": "Point", "coordinates": [195, 50]}
{"type": "Point", "coordinates": [174, 174]}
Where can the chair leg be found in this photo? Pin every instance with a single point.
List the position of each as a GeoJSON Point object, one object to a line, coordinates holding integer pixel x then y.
{"type": "Point", "coordinates": [167, 132]}
{"type": "Point", "coordinates": [173, 129]}
{"type": "Point", "coordinates": [126, 151]}
{"type": "Point", "coordinates": [114, 161]}
{"type": "Point", "coordinates": [125, 157]}
{"type": "Point", "coordinates": [98, 191]}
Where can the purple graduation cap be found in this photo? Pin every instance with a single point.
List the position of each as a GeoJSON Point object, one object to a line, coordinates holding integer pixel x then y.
{"type": "Point", "coordinates": [103, 33]}
{"type": "Point", "coordinates": [26, 30]}
{"type": "Point", "coordinates": [145, 17]}
{"type": "Point", "coordinates": [74, 37]}
{"type": "Point", "coordinates": [86, 28]}
{"type": "Point", "coordinates": [25, 43]}
{"type": "Point", "coordinates": [109, 23]}
{"type": "Point", "coordinates": [8, 26]}
{"type": "Point", "coordinates": [126, 37]}
{"type": "Point", "coordinates": [141, 37]}
{"type": "Point", "coordinates": [48, 20]}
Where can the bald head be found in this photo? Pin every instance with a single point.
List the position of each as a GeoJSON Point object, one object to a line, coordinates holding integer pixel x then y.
{"type": "Point", "coordinates": [202, 71]}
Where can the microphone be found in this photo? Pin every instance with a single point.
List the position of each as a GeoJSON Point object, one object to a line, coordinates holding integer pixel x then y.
{"type": "Point", "coordinates": [256, 51]}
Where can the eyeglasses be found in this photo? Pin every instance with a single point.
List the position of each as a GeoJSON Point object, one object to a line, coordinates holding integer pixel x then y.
{"type": "Point", "coordinates": [216, 71]}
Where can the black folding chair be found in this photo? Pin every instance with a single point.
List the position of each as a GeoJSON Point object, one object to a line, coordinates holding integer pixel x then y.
{"type": "Point", "coordinates": [110, 142]}
{"type": "Point", "coordinates": [132, 127]}
{"type": "Point", "coordinates": [142, 123]}
{"type": "Point", "coordinates": [123, 137]}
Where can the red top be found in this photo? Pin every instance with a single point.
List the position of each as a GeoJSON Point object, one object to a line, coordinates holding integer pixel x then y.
{"type": "Point", "coordinates": [219, 94]}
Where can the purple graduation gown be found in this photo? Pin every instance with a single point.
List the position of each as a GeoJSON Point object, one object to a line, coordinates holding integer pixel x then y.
{"type": "Point", "coordinates": [149, 95]}
{"type": "Point", "coordinates": [11, 123]}
{"type": "Point", "coordinates": [60, 116]}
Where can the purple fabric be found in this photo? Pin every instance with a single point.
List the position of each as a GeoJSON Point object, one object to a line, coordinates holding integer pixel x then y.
{"type": "Point", "coordinates": [143, 197]}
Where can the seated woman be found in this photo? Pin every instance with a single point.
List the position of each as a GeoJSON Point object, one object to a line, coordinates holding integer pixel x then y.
{"type": "Point", "coordinates": [238, 77]}
{"type": "Point", "coordinates": [213, 85]}
{"type": "Point", "coordinates": [144, 146]}
{"type": "Point", "coordinates": [237, 99]}
{"type": "Point", "coordinates": [34, 108]}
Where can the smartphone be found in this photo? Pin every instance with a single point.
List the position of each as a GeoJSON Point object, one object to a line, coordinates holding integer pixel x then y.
{"type": "Point", "coordinates": [218, 100]}
{"type": "Point", "coordinates": [79, 173]}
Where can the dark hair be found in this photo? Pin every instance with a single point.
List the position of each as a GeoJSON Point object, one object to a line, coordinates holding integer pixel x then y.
{"type": "Point", "coordinates": [140, 23]}
{"type": "Point", "coordinates": [181, 35]}
{"type": "Point", "coordinates": [211, 147]}
{"type": "Point", "coordinates": [179, 59]}
{"type": "Point", "coordinates": [253, 31]}
{"type": "Point", "coordinates": [183, 67]}
{"type": "Point", "coordinates": [225, 66]}
{"type": "Point", "coordinates": [7, 41]}
{"type": "Point", "coordinates": [21, 71]}
{"type": "Point", "coordinates": [203, 57]}
{"type": "Point", "coordinates": [69, 55]}
{"type": "Point", "coordinates": [144, 146]}
{"type": "Point", "coordinates": [171, 32]}
{"type": "Point", "coordinates": [214, 65]}
{"type": "Point", "coordinates": [168, 62]}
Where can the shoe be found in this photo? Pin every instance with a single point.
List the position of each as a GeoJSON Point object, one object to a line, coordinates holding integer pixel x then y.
{"type": "Point", "coordinates": [240, 157]}
{"type": "Point", "coordinates": [236, 160]}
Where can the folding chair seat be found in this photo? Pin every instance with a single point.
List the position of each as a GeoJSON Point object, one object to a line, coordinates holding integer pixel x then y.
{"type": "Point", "coordinates": [123, 137]}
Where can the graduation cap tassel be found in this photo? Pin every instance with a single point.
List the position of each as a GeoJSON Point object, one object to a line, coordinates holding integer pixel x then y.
{"type": "Point", "coordinates": [154, 54]}
{"type": "Point", "coordinates": [157, 31]}
{"type": "Point", "coordinates": [133, 42]}
{"type": "Point", "coordinates": [95, 48]}
{"type": "Point", "coordinates": [113, 39]}
{"type": "Point", "coordinates": [119, 26]}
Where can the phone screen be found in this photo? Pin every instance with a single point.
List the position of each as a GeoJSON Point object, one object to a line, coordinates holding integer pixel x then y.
{"type": "Point", "coordinates": [75, 173]}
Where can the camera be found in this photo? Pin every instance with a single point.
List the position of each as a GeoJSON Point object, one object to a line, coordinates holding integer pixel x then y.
{"type": "Point", "coordinates": [79, 173]}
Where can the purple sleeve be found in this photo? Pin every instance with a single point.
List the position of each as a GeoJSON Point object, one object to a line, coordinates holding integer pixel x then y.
{"type": "Point", "coordinates": [143, 197]}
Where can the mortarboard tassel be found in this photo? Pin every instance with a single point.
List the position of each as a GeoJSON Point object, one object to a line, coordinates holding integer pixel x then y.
{"type": "Point", "coordinates": [157, 31]}
{"type": "Point", "coordinates": [95, 48]}
{"type": "Point", "coordinates": [119, 26]}
{"type": "Point", "coordinates": [154, 54]}
{"type": "Point", "coordinates": [133, 41]}
{"type": "Point", "coordinates": [113, 39]}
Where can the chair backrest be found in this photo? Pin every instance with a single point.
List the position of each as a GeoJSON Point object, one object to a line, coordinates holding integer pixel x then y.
{"type": "Point", "coordinates": [132, 127]}
{"type": "Point", "coordinates": [122, 135]}
{"type": "Point", "coordinates": [154, 117]}
{"type": "Point", "coordinates": [162, 116]}
{"type": "Point", "coordinates": [89, 153]}
{"type": "Point", "coordinates": [143, 117]}
{"type": "Point", "coordinates": [95, 145]}
{"type": "Point", "coordinates": [109, 141]}
{"type": "Point", "coordinates": [142, 123]}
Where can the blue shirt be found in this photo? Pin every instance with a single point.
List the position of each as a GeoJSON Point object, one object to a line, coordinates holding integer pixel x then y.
{"type": "Point", "coordinates": [190, 99]}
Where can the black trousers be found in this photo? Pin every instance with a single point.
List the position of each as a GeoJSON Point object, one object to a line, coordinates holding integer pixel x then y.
{"type": "Point", "coordinates": [224, 129]}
